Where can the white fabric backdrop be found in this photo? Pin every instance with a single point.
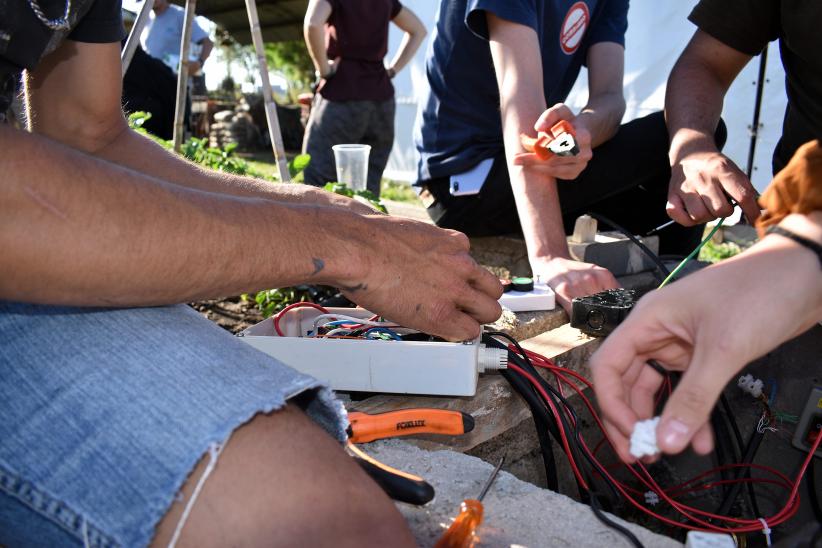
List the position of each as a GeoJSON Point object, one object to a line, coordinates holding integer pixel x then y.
{"type": "Point", "coordinates": [657, 32]}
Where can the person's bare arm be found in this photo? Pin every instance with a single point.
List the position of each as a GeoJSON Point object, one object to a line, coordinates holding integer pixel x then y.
{"type": "Point", "coordinates": [702, 178]}
{"type": "Point", "coordinates": [606, 102]}
{"type": "Point", "coordinates": [316, 16]}
{"type": "Point", "coordinates": [415, 33]}
{"type": "Point", "coordinates": [206, 45]}
{"type": "Point", "coordinates": [78, 229]}
{"type": "Point", "coordinates": [518, 65]}
{"type": "Point", "coordinates": [75, 229]}
{"type": "Point", "coordinates": [89, 118]}
{"type": "Point", "coordinates": [684, 327]}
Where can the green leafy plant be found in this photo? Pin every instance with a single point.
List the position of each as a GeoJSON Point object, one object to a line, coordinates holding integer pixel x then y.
{"type": "Point", "coordinates": [713, 252]}
{"type": "Point", "coordinates": [365, 196]}
{"type": "Point", "coordinates": [218, 159]}
{"type": "Point", "coordinates": [297, 166]}
{"type": "Point", "coordinates": [271, 301]}
{"type": "Point", "coordinates": [398, 191]}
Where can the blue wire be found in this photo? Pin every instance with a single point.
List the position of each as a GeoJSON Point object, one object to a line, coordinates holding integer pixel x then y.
{"type": "Point", "coordinates": [384, 330]}
{"type": "Point", "coordinates": [773, 391]}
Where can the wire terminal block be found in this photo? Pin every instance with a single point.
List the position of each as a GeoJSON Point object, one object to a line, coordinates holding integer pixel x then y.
{"type": "Point", "coordinates": [643, 438]}
{"type": "Point", "coordinates": [750, 385]}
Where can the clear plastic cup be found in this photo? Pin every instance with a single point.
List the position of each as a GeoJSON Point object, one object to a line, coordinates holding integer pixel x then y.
{"type": "Point", "coordinates": [352, 165]}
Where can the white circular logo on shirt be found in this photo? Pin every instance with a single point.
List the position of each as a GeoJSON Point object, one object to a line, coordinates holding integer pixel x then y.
{"type": "Point", "coordinates": [573, 27]}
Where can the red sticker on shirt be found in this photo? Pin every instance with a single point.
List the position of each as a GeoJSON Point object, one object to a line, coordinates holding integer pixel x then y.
{"type": "Point", "coordinates": [573, 27]}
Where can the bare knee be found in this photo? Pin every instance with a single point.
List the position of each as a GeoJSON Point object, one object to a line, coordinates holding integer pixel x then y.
{"type": "Point", "coordinates": [281, 480]}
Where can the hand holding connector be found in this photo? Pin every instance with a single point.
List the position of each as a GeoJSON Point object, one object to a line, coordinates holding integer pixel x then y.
{"type": "Point", "coordinates": [562, 147]}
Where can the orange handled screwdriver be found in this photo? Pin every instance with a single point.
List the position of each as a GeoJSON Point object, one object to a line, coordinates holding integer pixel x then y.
{"type": "Point", "coordinates": [462, 533]}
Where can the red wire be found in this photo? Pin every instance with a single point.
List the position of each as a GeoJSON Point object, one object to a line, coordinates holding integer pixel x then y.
{"type": "Point", "coordinates": [290, 307]}
{"type": "Point", "coordinates": [550, 404]}
{"type": "Point", "coordinates": [745, 525]}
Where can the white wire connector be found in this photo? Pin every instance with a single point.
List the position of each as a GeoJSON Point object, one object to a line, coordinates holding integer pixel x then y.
{"type": "Point", "coordinates": [750, 385]}
{"type": "Point", "coordinates": [651, 498]}
{"type": "Point", "coordinates": [492, 359]}
{"type": "Point", "coordinates": [643, 438]}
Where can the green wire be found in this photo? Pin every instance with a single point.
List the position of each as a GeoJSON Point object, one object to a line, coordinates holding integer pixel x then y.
{"type": "Point", "coordinates": [693, 254]}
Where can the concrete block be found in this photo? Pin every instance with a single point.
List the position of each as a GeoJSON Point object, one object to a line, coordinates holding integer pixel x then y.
{"type": "Point", "coordinates": [516, 513]}
{"type": "Point", "coordinates": [614, 251]}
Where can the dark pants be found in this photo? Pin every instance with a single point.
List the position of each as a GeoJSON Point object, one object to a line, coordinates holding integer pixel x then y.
{"type": "Point", "coordinates": [626, 180]}
{"type": "Point", "coordinates": [150, 86]}
{"type": "Point", "coordinates": [348, 122]}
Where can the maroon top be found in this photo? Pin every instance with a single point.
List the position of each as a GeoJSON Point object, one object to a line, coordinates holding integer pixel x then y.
{"type": "Point", "coordinates": [357, 35]}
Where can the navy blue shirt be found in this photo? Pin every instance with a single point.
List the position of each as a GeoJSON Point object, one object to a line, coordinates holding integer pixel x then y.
{"type": "Point", "coordinates": [460, 122]}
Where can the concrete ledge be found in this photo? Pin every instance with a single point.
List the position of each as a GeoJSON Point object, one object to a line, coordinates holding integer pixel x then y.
{"type": "Point", "coordinates": [516, 513]}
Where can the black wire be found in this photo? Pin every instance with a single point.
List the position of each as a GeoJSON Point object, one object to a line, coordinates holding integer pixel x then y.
{"type": "Point", "coordinates": [524, 362]}
{"type": "Point", "coordinates": [750, 452]}
{"type": "Point", "coordinates": [542, 423]}
{"type": "Point", "coordinates": [612, 524]}
{"type": "Point", "coordinates": [726, 407]}
{"type": "Point", "coordinates": [575, 441]}
{"type": "Point", "coordinates": [729, 416]}
{"type": "Point", "coordinates": [814, 493]}
{"type": "Point", "coordinates": [664, 272]}
{"type": "Point", "coordinates": [724, 455]}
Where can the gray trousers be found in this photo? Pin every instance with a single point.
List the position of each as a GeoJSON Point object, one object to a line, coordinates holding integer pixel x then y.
{"type": "Point", "coordinates": [339, 122]}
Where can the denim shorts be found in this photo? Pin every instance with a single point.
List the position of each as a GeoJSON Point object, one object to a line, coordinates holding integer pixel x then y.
{"type": "Point", "coordinates": [105, 412]}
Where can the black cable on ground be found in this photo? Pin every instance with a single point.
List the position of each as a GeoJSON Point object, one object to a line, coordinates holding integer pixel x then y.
{"type": "Point", "coordinates": [524, 362]}
{"type": "Point", "coordinates": [813, 490]}
{"type": "Point", "coordinates": [559, 402]}
{"type": "Point", "coordinates": [724, 455]}
{"type": "Point", "coordinates": [542, 423]}
{"type": "Point", "coordinates": [726, 408]}
{"type": "Point", "coordinates": [600, 515]}
{"type": "Point", "coordinates": [663, 270]}
{"type": "Point", "coordinates": [750, 452]}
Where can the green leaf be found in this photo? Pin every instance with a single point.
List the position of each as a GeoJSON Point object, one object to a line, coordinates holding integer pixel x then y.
{"type": "Point", "coordinates": [298, 164]}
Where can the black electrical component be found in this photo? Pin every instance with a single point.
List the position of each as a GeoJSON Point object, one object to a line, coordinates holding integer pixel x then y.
{"type": "Point", "coordinates": [506, 285]}
{"type": "Point", "coordinates": [599, 314]}
{"type": "Point", "coordinates": [522, 284]}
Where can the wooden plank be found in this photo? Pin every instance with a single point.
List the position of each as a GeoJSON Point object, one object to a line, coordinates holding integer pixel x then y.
{"type": "Point", "coordinates": [495, 407]}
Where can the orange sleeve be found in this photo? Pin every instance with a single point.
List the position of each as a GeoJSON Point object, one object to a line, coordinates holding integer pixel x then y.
{"type": "Point", "coordinates": [795, 189]}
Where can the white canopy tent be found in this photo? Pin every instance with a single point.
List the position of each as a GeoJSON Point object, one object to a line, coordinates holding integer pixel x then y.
{"type": "Point", "coordinates": [657, 32]}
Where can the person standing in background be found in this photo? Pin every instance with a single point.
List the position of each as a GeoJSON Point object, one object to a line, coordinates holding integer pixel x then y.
{"type": "Point", "coordinates": [161, 37]}
{"type": "Point", "coordinates": [347, 40]}
{"type": "Point", "coordinates": [150, 84]}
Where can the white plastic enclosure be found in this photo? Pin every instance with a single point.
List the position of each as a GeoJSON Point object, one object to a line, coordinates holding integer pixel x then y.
{"type": "Point", "coordinates": [402, 367]}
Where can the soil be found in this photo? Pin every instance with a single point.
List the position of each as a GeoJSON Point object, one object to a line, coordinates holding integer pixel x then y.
{"type": "Point", "coordinates": [232, 314]}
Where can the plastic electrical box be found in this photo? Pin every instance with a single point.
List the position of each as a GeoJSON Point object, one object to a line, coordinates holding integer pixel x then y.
{"type": "Point", "coordinates": [599, 314]}
{"type": "Point", "coordinates": [810, 423]}
{"type": "Point", "coordinates": [363, 365]}
{"type": "Point", "coordinates": [704, 539]}
{"type": "Point", "coordinates": [540, 298]}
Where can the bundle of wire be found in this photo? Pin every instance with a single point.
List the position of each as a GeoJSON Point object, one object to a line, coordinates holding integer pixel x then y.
{"type": "Point", "coordinates": [343, 326]}
{"type": "Point", "coordinates": [555, 418]}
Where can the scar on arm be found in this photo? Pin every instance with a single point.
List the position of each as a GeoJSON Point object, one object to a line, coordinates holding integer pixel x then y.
{"type": "Point", "coordinates": [44, 203]}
